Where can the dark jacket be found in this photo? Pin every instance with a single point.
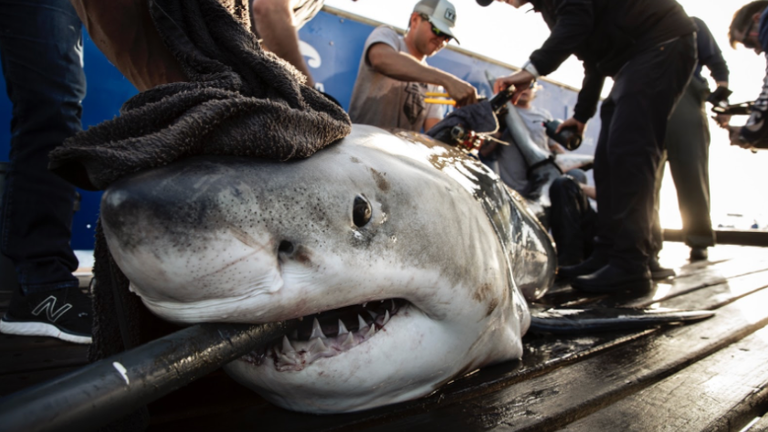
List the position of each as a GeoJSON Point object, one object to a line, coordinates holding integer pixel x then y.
{"type": "Point", "coordinates": [709, 54]}
{"type": "Point", "coordinates": [604, 34]}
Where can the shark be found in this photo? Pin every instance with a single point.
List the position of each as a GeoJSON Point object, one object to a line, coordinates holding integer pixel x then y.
{"type": "Point", "coordinates": [407, 262]}
{"type": "Point", "coordinates": [403, 262]}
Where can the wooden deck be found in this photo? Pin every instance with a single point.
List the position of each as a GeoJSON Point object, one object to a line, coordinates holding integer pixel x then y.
{"type": "Point", "coordinates": [707, 376]}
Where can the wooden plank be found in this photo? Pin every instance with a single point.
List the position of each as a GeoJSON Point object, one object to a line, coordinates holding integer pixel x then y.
{"type": "Point", "coordinates": [552, 400]}
{"type": "Point", "coordinates": [731, 237]}
{"type": "Point", "coordinates": [566, 297]}
{"type": "Point", "coordinates": [723, 392]}
{"type": "Point", "coordinates": [759, 424]}
{"type": "Point", "coordinates": [45, 357]}
{"type": "Point", "coordinates": [11, 383]}
{"type": "Point", "coordinates": [551, 379]}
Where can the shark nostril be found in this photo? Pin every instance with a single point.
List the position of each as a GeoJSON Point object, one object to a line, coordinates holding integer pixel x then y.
{"type": "Point", "coordinates": [285, 247]}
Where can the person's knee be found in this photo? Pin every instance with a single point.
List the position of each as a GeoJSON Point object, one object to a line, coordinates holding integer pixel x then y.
{"type": "Point", "coordinates": [562, 187]}
{"type": "Point", "coordinates": [578, 175]}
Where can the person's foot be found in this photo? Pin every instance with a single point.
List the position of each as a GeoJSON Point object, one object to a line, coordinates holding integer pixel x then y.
{"type": "Point", "coordinates": [591, 265]}
{"type": "Point", "coordinates": [64, 314]}
{"type": "Point", "coordinates": [610, 279]}
{"type": "Point", "coordinates": [657, 271]}
{"type": "Point", "coordinates": [699, 254]}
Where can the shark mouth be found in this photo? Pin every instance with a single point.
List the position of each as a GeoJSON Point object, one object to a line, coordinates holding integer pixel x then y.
{"type": "Point", "coordinates": [327, 334]}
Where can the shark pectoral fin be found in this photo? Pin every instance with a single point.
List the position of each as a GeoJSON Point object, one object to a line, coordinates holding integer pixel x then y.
{"type": "Point", "coordinates": [570, 321]}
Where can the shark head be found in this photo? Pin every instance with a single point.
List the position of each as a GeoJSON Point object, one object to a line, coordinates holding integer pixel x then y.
{"type": "Point", "coordinates": [378, 244]}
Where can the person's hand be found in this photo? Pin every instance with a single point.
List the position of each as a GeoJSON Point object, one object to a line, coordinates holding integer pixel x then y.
{"type": "Point", "coordinates": [461, 91]}
{"type": "Point", "coordinates": [734, 133]}
{"type": "Point", "coordinates": [519, 81]}
{"type": "Point", "coordinates": [722, 120]}
{"type": "Point", "coordinates": [572, 122]}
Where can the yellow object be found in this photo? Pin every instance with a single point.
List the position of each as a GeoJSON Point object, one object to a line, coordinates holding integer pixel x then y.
{"type": "Point", "coordinates": [434, 94]}
{"type": "Point", "coordinates": [440, 101]}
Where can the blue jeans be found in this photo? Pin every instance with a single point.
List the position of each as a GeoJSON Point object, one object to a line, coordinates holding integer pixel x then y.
{"type": "Point", "coordinates": [41, 53]}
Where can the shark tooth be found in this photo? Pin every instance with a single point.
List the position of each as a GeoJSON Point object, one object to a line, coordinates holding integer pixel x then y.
{"type": "Point", "coordinates": [349, 342]}
{"type": "Point", "coordinates": [383, 319]}
{"type": "Point", "coordinates": [365, 304]}
{"type": "Point", "coordinates": [316, 330]}
{"type": "Point", "coordinates": [372, 314]}
{"type": "Point", "coordinates": [361, 323]}
{"type": "Point", "coordinates": [286, 359]}
{"type": "Point", "coordinates": [342, 328]}
{"type": "Point", "coordinates": [287, 347]}
{"type": "Point", "coordinates": [371, 331]}
{"type": "Point", "coordinates": [317, 345]}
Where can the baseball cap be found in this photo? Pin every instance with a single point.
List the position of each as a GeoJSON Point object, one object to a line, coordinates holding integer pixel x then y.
{"type": "Point", "coordinates": [442, 14]}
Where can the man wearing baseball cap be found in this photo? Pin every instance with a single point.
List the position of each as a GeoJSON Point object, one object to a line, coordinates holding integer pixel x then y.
{"type": "Point", "coordinates": [394, 77]}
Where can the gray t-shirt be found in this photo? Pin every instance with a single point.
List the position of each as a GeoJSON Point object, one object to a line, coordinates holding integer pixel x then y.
{"type": "Point", "coordinates": [512, 167]}
{"type": "Point", "coordinates": [385, 102]}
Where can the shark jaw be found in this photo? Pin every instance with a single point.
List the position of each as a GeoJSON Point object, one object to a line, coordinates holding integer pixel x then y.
{"type": "Point", "coordinates": [327, 334]}
{"type": "Point", "coordinates": [393, 358]}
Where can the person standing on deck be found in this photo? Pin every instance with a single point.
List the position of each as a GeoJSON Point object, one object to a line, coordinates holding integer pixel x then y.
{"type": "Point", "coordinates": [41, 49]}
{"type": "Point", "coordinates": [394, 78]}
{"type": "Point", "coordinates": [687, 149]}
{"type": "Point", "coordinates": [648, 47]}
{"type": "Point", "coordinates": [750, 28]}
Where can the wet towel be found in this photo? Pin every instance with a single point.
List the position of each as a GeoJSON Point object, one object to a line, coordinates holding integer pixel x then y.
{"type": "Point", "coordinates": [239, 100]}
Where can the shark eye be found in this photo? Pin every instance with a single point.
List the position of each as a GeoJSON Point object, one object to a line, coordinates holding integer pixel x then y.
{"type": "Point", "coordinates": [361, 211]}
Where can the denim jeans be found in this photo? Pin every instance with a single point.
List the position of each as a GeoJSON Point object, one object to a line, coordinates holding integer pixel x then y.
{"type": "Point", "coordinates": [41, 54]}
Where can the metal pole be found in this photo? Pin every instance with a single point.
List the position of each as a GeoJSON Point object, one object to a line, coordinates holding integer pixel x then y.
{"type": "Point", "coordinates": [111, 388]}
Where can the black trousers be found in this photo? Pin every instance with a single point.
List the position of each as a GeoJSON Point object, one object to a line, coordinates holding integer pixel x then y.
{"type": "Point", "coordinates": [687, 149]}
{"type": "Point", "coordinates": [634, 123]}
{"type": "Point", "coordinates": [572, 221]}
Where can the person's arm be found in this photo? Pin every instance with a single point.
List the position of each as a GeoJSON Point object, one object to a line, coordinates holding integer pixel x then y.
{"type": "Point", "coordinates": [589, 191]}
{"type": "Point", "coordinates": [124, 32]}
{"type": "Point", "coordinates": [404, 67]}
{"type": "Point", "coordinates": [574, 22]}
{"type": "Point", "coordinates": [556, 148]}
{"type": "Point", "coordinates": [709, 55]}
{"type": "Point", "coordinates": [274, 22]}
{"type": "Point", "coordinates": [756, 129]}
{"type": "Point", "coordinates": [589, 95]}
{"type": "Point", "coordinates": [586, 104]}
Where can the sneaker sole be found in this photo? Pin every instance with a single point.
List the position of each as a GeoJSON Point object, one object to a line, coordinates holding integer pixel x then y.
{"type": "Point", "coordinates": [663, 274]}
{"type": "Point", "coordinates": [41, 329]}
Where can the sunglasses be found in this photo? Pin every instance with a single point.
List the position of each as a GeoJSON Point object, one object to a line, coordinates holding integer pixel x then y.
{"type": "Point", "coordinates": [436, 31]}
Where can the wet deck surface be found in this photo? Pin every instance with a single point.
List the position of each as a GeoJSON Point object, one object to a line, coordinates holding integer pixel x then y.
{"type": "Point", "coordinates": [707, 376]}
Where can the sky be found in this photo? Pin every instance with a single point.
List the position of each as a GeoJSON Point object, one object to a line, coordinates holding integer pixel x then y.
{"type": "Point", "coordinates": [509, 35]}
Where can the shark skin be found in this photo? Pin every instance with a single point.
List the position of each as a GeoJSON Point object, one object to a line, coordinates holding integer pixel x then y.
{"type": "Point", "coordinates": [407, 262]}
